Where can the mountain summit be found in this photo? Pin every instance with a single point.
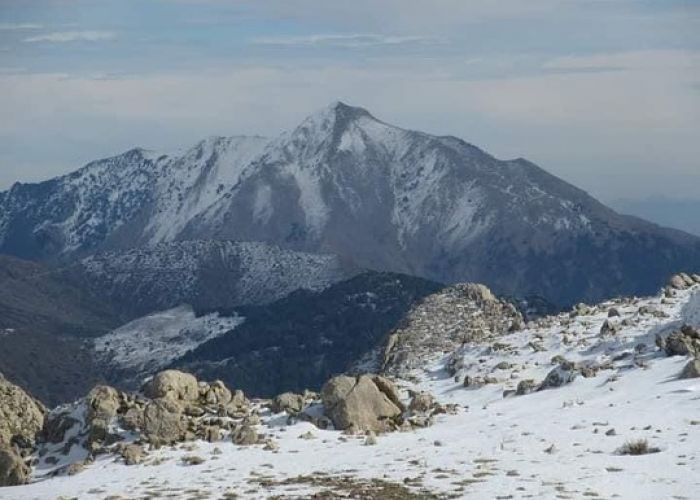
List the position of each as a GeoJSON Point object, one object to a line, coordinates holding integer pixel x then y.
{"type": "Point", "coordinates": [380, 197]}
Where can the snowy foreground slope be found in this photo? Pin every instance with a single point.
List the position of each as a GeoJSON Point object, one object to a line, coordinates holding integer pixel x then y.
{"type": "Point", "coordinates": [558, 442]}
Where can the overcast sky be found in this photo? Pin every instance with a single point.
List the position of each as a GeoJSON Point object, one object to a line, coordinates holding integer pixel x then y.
{"type": "Point", "coordinates": [604, 93]}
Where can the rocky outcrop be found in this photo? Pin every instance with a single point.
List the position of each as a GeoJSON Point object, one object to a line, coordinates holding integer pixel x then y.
{"type": "Point", "coordinates": [21, 417]}
{"type": "Point", "coordinates": [364, 403]}
{"type": "Point", "coordinates": [444, 321]}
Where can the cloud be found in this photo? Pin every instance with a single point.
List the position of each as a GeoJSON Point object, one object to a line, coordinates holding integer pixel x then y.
{"type": "Point", "coordinates": [19, 26]}
{"type": "Point", "coordinates": [71, 36]}
{"type": "Point", "coordinates": [631, 60]}
{"type": "Point", "coordinates": [353, 40]}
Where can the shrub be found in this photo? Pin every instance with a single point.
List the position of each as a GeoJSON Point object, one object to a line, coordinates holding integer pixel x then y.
{"type": "Point", "coordinates": [637, 447]}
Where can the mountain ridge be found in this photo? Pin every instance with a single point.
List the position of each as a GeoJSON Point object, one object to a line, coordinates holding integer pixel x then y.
{"type": "Point", "coordinates": [376, 195]}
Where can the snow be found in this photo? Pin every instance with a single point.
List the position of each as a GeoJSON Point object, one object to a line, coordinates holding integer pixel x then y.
{"type": "Point", "coordinates": [152, 342]}
{"type": "Point", "coordinates": [555, 443]}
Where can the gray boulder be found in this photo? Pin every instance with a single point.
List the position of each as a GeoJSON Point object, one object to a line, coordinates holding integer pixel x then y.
{"type": "Point", "coordinates": [290, 402]}
{"type": "Point", "coordinates": [364, 403]}
{"type": "Point", "coordinates": [172, 384]}
{"type": "Point", "coordinates": [163, 422]}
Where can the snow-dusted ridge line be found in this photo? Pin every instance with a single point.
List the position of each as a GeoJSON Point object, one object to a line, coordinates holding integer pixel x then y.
{"type": "Point", "coordinates": [552, 443]}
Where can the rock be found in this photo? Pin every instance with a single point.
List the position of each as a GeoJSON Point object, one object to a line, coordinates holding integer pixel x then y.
{"type": "Point", "coordinates": [608, 328]}
{"type": "Point", "coordinates": [212, 433]}
{"type": "Point", "coordinates": [370, 439]}
{"type": "Point", "coordinates": [290, 402]}
{"type": "Point", "coordinates": [245, 435]}
{"type": "Point", "coordinates": [13, 470]}
{"type": "Point", "coordinates": [217, 394]}
{"type": "Point", "coordinates": [103, 402]}
{"type": "Point", "coordinates": [525, 387]}
{"type": "Point", "coordinates": [163, 422]}
{"type": "Point", "coordinates": [677, 282]}
{"type": "Point", "coordinates": [172, 384]}
{"type": "Point", "coordinates": [132, 454]}
{"type": "Point", "coordinates": [422, 403]}
{"type": "Point", "coordinates": [691, 369]}
{"type": "Point", "coordinates": [684, 342]}
{"type": "Point", "coordinates": [561, 375]}
{"type": "Point", "coordinates": [57, 423]}
{"type": "Point", "coordinates": [361, 402]}
{"type": "Point", "coordinates": [132, 420]}
{"type": "Point", "coordinates": [473, 382]}
{"type": "Point", "coordinates": [21, 416]}
{"type": "Point", "coordinates": [613, 312]}
{"type": "Point", "coordinates": [696, 278]}
{"type": "Point", "coordinates": [74, 468]}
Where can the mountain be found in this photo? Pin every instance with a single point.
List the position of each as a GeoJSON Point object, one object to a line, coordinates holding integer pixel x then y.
{"type": "Point", "coordinates": [51, 317]}
{"type": "Point", "coordinates": [377, 196]}
{"type": "Point", "coordinates": [206, 274]}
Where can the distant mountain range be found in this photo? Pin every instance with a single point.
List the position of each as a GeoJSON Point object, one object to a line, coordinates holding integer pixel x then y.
{"type": "Point", "coordinates": [274, 263]}
{"type": "Point", "coordinates": [347, 184]}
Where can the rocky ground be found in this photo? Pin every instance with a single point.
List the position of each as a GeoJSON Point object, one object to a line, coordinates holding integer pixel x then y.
{"type": "Point", "coordinates": [598, 402]}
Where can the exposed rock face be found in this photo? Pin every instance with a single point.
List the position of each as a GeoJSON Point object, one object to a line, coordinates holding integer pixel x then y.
{"type": "Point", "coordinates": [173, 384]}
{"type": "Point", "coordinates": [364, 403]}
{"type": "Point", "coordinates": [21, 416]}
{"type": "Point", "coordinates": [444, 321]}
{"type": "Point", "coordinates": [13, 470]}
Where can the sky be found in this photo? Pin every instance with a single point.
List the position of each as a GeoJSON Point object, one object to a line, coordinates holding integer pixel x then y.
{"type": "Point", "coordinates": [603, 93]}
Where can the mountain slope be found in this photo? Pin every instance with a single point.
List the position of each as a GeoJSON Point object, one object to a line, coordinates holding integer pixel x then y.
{"type": "Point", "coordinates": [376, 195]}
{"type": "Point", "coordinates": [566, 439]}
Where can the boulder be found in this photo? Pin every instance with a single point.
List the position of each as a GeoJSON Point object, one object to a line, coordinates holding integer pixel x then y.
{"type": "Point", "coordinates": [132, 454]}
{"type": "Point", "coordinates": [21, 416]}
{"type": "Point", "coordinates": [103, 402]}
{"type": "Point", "coordinates": [290, 402]}
{"type": "Point", "coordinates": [245, 435]}
{"type": "Point", "coordinates": [163, 422]}
{"type": "Point", "coordinates": [677, 282]}
{"type": "Point", "coordinates": [421, 403]}
{"type": "Point", "coordinates": [172, 384]}
{"type": "Point", "coordinates": [217, 394]}
{"type": "Point", "coordinates": [691, 369]}
{"type": "Point", "coordinates": [13, 470]}
{"type": "Point", "coordinates": [361, 402]}
{"type": "Point", "coordinates": [683, 342]}
{"type": "Point", "coordinates": [525, 387]}
{"type": "Point", "coordinates": [561, 375]}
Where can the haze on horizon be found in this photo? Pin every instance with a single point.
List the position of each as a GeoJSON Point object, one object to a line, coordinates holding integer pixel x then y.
{"type": "Point", "coordinates": [604, 94]}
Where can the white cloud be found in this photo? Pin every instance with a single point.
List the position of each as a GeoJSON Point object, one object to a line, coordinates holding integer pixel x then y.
{"type": "Point", "coordinates": [353, 40]}
{"type": "Point", "coordinates": [631, 60]}
{"type": "Point", "coordinates": [19, 26]}
{"type": "Point", "coordinates": [71, 36]}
